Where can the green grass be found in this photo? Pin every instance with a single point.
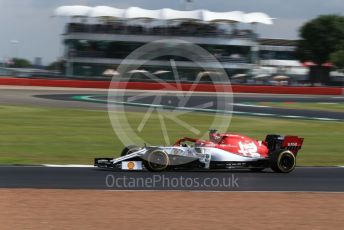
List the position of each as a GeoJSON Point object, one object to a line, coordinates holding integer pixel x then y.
{"type": "Point", "coordinates": [35, 135]}
{"type": "Point", "coordinates": [338, 107]}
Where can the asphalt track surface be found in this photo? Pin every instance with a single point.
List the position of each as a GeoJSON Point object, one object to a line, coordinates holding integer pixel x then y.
{"type": "Point", "coordinates": [243, 104]}
{"type": "Point", "coordinates": [317, 179]}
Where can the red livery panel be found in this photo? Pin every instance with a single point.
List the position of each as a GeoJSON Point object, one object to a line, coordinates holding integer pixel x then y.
{"type": "Point", "coordinates": [243, 145]}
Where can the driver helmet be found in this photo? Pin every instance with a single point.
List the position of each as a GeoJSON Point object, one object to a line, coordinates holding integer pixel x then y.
{"type": "Point", "coordinates": [214, 136]}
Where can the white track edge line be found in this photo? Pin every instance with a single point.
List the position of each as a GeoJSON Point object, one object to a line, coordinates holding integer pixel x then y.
{"type": "Point", "coordinates": [68, 166]}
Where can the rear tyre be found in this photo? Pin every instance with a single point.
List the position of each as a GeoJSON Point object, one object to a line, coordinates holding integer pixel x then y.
{"type": "Point", "coordinates": [156, 160]}
{"type": "Point", "coordinates": [283, 161]}
{"type": "Point", "coordinates": [129, 149]}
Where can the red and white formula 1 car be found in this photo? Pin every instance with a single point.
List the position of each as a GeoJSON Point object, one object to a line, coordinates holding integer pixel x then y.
{"type": "Point", "coordinates": [221, 151]}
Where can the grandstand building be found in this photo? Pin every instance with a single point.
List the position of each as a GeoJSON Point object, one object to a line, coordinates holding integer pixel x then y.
{"type": "Point", "coordinates": [99, 38]}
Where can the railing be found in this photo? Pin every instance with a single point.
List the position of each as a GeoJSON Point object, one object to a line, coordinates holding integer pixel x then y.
{"type": "Point", "coordinates": [122, 55]}
{"type": "Point", "coordinates": [197, 31]}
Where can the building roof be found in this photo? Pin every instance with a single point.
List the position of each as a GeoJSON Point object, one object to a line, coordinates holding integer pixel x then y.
{"type": "Point", "coordinates": [162, 14]}
{"type": "Point", "coordinates": [99, 11]}
{"type": "Point", "coordinates": [277, 42]}
{"type": "Point", "coordinates": [73, 11]}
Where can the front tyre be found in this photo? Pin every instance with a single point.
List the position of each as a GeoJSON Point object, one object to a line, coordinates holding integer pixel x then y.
{"type": "Point", "coordinates": [156, 160]}
{"type": "Point", "coordinates": [283, 161]}
{"type": "Point", "coordinates": [129, 149]}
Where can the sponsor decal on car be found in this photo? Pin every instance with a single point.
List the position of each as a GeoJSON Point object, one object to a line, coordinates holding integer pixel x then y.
{"type": "Point", "coordinates": [248, 149]}
{"type": "Point", "coordinates": [131, 165]}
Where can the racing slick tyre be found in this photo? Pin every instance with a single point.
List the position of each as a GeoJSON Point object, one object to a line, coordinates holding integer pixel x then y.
{"type": "Point", "coordinates": [283, 161]}
{"type": "Point", "coordinates": [156, 160]}
{"type": "Point", "coordinates": [129, 149]}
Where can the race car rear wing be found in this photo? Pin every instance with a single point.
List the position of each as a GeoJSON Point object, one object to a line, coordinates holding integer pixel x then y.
{"type": "Point", "coordinates": [292, 143]}
{"type": "Point", "coordinates": [277, 142]}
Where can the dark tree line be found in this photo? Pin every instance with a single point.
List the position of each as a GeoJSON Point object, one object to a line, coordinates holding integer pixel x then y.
{"type": "Point", "coordinates": [322, 41]}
